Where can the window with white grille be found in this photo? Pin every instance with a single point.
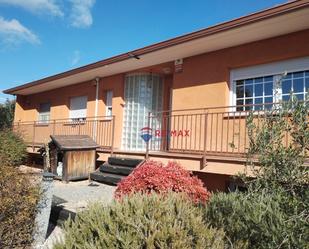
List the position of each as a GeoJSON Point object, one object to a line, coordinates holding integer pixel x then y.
{"type": "Point", "coordinates": [259, 86]}
{"type": "Point", "coordinates": [297, 83]}
{"type": "Point", "coordinates": [44, 113]}
{"type": "Point", "coordinates": [109, 103]}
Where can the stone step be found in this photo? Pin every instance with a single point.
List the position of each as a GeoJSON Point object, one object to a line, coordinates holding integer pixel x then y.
{"type": "Point", "coordinates": [59, 215]}
{"type": "Point", "coordinates": [116, 169]}
{"type": "Point", "coordinates": [123, 161]}
{"type": "Point", "coordinates": [107, 178]}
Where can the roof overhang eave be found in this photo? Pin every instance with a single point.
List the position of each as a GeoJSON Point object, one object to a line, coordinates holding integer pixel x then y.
{"type": "Point", "coordinates": [127, 61]}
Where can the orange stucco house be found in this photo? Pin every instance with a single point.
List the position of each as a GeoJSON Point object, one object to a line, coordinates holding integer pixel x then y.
{"type": "Point", "coordinates": [183, 99]}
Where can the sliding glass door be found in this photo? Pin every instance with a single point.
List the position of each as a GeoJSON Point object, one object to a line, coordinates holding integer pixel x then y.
{"type": "Point", "coordinates": [143, 94]}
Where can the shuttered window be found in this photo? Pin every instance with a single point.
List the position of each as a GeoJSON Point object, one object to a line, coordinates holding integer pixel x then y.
{"type": "Point", "coordinates": [78, 108]}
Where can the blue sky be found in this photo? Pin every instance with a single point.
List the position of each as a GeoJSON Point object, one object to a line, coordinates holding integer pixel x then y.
{"type": "Point", "coordinates": [39, 38]}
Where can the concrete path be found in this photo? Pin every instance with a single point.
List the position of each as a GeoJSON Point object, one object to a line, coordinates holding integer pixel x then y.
{"type": "Point", "coordinates": [75, 196]}
{"type": "Point", "coordinates": [71, 198]}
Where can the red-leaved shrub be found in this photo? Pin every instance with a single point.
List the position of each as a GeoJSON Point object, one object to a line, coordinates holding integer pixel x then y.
{"type": "Point", "coordinates": [154, 176]}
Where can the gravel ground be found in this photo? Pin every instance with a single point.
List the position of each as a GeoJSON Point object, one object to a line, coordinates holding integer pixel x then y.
{"type": "Point", "coordinates": [74, 197]}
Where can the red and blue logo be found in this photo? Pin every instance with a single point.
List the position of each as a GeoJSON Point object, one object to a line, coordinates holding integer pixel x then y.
{"type": "Point", "coordinates": [146, 134]}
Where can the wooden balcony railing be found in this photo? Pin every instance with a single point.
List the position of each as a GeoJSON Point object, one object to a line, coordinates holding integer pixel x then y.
{"type": "Point", "coordinates": [101, 129]}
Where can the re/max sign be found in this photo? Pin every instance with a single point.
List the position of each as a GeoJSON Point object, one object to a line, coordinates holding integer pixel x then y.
{"type": "Point", "coordinates": [172, 133]}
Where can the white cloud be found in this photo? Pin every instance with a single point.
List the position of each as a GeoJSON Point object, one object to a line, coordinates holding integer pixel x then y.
{"type": "Point", "coordinates": [36, 6]}
{"type": "Point", "coordinates": [76, 58]}
{"type": "Point", "coordinates": [77, 12]}
{"type": "Point", "coordinates": [81, 16]}
{"type": "Point", "coordinates": [13, 32]}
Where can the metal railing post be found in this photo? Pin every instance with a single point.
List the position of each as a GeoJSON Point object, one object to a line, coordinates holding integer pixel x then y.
{"type": "Point", "coordinates": [205, 141]}
{"type": "Point", "coordinates": [147, 143]}
{"type": "Point", "coordinates": [113, 135]}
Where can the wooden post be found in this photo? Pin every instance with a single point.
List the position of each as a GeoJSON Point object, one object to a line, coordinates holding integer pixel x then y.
{"type": "Point", "coordinates": [65, 177]}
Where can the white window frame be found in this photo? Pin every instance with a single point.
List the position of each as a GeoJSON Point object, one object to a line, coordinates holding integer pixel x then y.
{"type": "Point", "coordinates": [42, 114]}
{"type": "Point", "coordinates": [78, 114]}
{"type": "Point", "coordinates": [276, 69]}
{"type": "Point", "coordinates": [109, 103]}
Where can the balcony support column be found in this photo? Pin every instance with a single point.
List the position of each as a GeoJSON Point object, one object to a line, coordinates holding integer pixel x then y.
{"type": "Point", "coordinates": [33, 136]}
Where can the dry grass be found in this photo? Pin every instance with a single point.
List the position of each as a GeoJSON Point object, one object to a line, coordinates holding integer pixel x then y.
{"type": "Point", "coordinates": [19, 195]}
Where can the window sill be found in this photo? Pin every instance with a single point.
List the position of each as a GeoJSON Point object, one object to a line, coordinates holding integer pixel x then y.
{"type": "Point", "coordinates": [243, 114]}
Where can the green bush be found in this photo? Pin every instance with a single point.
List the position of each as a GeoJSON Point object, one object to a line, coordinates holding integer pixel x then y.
{"type": "Point", "coordinates": [142, 221]}
{"type": "Point", "coordinates": [7, 114]}
{"type": "Point", "coordinates": [280, 178]}
{"type": "Point", "coordinates": [18, 202]}
{"type": "Point", "coordinates": [280, 142]}
{"type": "Point", "coordinates": [256, 221]}
{"type": "Point", "coordinates": [12, 148]}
